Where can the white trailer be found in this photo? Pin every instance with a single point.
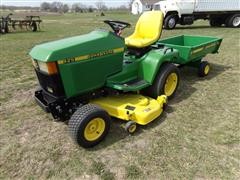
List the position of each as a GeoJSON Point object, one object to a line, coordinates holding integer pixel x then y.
{"type": "Point", "coordinates": [185, 12]}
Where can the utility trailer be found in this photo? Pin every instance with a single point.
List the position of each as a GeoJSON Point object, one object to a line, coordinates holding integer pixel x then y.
{"type": "Point", "coordinates": [185, 12]}
{"type": "Point", "coordinates": [192, 49]}
{"type": "Point", "coordinates": [31, 23]}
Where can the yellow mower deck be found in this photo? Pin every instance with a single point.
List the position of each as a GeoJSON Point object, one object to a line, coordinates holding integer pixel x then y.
{"type": "Point", "coordinates": [134, 107]}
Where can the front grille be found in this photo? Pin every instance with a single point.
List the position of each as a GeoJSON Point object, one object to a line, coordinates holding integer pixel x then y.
{"type": "Point", "coordinates": [53, 82]}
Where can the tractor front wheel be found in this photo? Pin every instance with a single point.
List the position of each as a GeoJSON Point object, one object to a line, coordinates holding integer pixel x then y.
{"type": "Point", "coordinates": [166, 82]}
{"type": "Point", "coordinates": [89, 125]}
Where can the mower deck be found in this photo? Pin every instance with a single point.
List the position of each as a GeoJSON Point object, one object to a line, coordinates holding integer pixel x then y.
{"type": "Point", "coordinates": [134, 107]}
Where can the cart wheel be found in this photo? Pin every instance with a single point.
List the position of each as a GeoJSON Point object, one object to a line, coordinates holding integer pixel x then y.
{"type": "Point", "coordinates": [89, 125]}
{"type": "Point", "coordinates": [204, 69]}
{"type": "Point", "coordinates": [131, 127]}
{"type": "Point", "coordinates": [166, 82]}
{"type": "Point", "coordinates": [34, 26]}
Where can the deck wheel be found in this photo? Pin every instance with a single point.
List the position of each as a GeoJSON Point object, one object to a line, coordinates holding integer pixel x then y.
{"type": "Point", "coordinates": [89, 125]}
{"type": "Point", "coordinates": [131, 127]}
{"type": "Point", "coordinates": [204, 69]}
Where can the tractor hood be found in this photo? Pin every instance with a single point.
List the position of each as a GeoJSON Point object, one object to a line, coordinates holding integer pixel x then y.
{"type": "Point", "coordinates": [95, 42]}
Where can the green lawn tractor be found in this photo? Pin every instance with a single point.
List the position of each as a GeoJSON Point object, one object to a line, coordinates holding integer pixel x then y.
{"type": "Point", "coordinates": [89, 78]}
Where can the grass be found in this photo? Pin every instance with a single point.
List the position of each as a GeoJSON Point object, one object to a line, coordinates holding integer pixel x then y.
{"type": "Point", "coordinates": [197, 138]}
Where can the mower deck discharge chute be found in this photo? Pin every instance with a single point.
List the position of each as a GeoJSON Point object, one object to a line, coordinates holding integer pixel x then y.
{"type": "Point", "coordinates": [91, 77]}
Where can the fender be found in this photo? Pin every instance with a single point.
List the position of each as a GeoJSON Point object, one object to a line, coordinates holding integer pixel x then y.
{"type": "Point", "coordinates": [167, 7]}
{"type": "Point", "coordinates": [149, 67]}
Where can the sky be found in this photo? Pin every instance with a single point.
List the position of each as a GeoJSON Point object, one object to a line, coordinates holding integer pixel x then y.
{"type": "Point", "coordinates": [110, 3]}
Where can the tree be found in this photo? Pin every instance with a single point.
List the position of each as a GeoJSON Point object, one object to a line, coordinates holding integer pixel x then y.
{"type": "Point", "coordinates": [78, 7]}
{"type": "Point", "coordinates": [90, 9]}
{"type": "Point", "coordinates": [101, 5]}
{"type": "Point", "coordinates": [56, 6]}
{"type": "Point", "coordinates": [45, 6]}
{"type": "Point", "coordinates": [65, 8]}
{"type": "Point", "coordinates": [123, 7]}
{"type": "Point", "coordinates": [130, 4]}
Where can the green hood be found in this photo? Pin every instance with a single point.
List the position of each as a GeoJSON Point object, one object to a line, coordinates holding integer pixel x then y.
{"type": "Point", "coordinates": [93, 42]}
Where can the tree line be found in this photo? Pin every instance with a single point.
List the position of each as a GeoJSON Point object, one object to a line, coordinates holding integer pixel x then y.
{"type": "Point", "coordinates": [77, 7]}
{"type": "Point", "coordinates": [61, 7]}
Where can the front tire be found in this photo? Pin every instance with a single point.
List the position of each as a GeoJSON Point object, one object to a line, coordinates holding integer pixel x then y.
{"type": "Point", "coordinates": [166, 82]}
{"type": "Point", "coordinates": [89, 125]}
{"type": "Point", "coordinates": [170, 21]}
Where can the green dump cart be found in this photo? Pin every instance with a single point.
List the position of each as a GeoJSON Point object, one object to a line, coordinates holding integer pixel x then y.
{"type": "Point", "coordinates": [192, 48]}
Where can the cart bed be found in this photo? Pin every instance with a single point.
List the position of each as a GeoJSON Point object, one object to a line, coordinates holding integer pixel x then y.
{"type": "Point", "coordinates": [192, 48]}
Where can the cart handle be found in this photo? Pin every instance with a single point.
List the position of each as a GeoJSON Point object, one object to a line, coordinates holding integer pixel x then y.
{"type": "Point", "coordinates": [165, 51]}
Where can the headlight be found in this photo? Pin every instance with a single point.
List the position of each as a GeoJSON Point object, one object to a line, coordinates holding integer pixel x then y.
{"type": "Point", "coordinates": [49, 68]}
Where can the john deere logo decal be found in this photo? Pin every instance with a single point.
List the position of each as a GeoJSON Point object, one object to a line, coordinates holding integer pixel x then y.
{"type": "Point", "coordinates": [91, 56]}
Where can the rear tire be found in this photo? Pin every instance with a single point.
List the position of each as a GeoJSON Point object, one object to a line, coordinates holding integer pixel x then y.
{"type": "Point", "coordinates": [166, 82]}
{"type": "Point", "coordinates": [170, 21]}
{"type": "Point", "coordinates": [233, 21]}
{"type": "Point", "coordinates": [89, 125]}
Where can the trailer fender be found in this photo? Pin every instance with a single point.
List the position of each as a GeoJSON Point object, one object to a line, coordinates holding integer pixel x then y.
{"type": "Point", "coordinates": [150, 66]}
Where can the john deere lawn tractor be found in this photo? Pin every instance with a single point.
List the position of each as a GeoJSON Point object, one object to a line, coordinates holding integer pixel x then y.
{"type": "Point", "coordinates": [90, 78]}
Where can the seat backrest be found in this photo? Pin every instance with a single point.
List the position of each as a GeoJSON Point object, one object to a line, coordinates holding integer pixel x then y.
{"type": "Point", "coordinates": [150, 25]}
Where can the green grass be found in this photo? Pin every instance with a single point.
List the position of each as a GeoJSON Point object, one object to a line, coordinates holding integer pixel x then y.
{"type": "Point", "coordinates": [198, 136]}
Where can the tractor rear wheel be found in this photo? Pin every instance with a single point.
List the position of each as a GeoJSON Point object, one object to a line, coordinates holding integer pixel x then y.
{"type": "Point", "coordinates": [166, 82]}
{"type": "Point", "coordinates": [89, 125]}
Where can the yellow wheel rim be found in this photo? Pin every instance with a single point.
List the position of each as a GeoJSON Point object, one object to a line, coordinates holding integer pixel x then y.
{"type": "Point", "coordinates": [206, 69]}
{"type": "Point", "coordinates": [94, 129]}
{"type": "Point", "coordinates": [132, 128]}
{"type": "Point", "coordinates": [170, 84]}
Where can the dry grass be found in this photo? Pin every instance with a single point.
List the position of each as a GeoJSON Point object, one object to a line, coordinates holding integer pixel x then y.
{"type": "Point", "coordinates": [198, 138]}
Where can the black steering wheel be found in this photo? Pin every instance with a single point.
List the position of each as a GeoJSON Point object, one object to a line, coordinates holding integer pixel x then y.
{"type": "Point", "coordinates": [117, 26]}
